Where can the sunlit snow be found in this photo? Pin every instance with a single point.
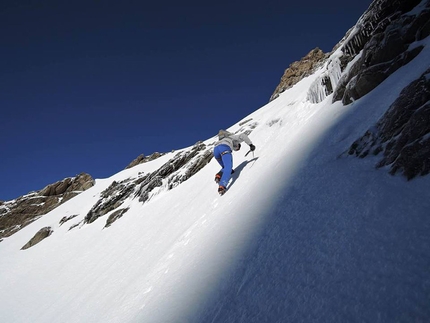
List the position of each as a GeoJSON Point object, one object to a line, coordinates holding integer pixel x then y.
{"type": "Point", "coordinates": [304, 233]}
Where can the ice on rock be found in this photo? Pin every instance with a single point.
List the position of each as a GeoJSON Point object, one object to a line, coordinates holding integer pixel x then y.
{"type": "Point", "coordinates": [324, 85]}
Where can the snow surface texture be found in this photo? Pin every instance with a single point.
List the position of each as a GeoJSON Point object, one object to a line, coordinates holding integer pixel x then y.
{"type": "Point", "coordinates": [302, 235]}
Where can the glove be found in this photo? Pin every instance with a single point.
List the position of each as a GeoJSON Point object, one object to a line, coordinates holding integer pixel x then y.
{"type": "Point", "coordinates": [251, 147]}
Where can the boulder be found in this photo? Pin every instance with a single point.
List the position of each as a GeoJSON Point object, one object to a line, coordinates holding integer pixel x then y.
{"type": "Point", "coordinates": [79, 183]}
{"type": "Point", "coordinates": [39, 236]}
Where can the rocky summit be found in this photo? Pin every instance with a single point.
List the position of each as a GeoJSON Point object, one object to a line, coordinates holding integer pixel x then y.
{"type": "Point", "coordinates": [299, 70]}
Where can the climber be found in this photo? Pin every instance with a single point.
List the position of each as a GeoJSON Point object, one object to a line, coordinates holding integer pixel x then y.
{"type": "Point", "coordinates": [227, 142]}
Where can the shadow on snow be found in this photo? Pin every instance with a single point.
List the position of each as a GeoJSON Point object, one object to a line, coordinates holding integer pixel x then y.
{"type": "Point", "coordinates": [239, 169]}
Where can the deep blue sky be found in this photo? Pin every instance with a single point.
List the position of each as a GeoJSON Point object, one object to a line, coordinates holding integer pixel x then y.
{"type": "Point", "coordinates": [87, 86]}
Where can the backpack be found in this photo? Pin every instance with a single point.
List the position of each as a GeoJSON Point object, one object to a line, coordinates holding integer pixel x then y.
{"type": "Point", "coordinates": [223, 133]}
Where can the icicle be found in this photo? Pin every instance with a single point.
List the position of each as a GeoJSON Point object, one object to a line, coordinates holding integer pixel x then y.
{"type": "Point", "coordinates": [316, 92]}
{"type": "Point", "coordinates": [324, 85]}
{"type": "Point", "coordinates": [334, 72]}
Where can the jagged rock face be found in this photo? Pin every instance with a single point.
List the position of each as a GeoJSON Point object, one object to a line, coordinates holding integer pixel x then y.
{"type": "Point", "coordinates": [386, 37]}
{"type": "Point", "coordinates": [382, 38]}
{"type": "Point", "coordinates": [384, 34]}
{"type": "Point", "coordinates": [143, 159]}
{"type": "Point", "coordinates": [299, 70]}
{"type": "Point", "coordinates": [171, 173]}
{"type": "Point", "coordinates": [111, 198]}
{"type": "Point", "coordinates": [18, 213]}
{"type": "Point", "coordinates": [402, 134]}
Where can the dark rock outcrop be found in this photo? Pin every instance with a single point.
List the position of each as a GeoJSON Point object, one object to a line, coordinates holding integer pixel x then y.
{"type": "Point", "coordinates": [387, 37]}
{"type": "Point", "coordinates": [177, 170]}
{"type": "Point", "coordinates": [18, 213]}
{"type": "Point", "coordinates": [64, 219]}
{"type": "Point", "coordinates": [39, 236]}
{"type": "Point", "coordinates": [170, 173]}
{"type": "Point", "coordinates": [110, 199]}
{"type": "Point", "coordinates": [403, 133]}
{"type": "Point", "coordinates": [385, 33]}
{"type": "Point", "coordinates": [380, 43]}
{"type": "Point", "coordinates": [115, 216]}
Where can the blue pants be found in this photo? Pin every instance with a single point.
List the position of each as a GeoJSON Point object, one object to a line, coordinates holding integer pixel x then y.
{"type": "Point", "coordinates": [222, 154]}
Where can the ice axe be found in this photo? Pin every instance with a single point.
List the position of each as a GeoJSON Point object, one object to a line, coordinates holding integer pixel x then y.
{"type": "Point", "coordinates": [251, 148]}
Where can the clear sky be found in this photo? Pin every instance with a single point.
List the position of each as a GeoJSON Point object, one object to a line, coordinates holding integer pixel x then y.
{"type": "Point", "coordinates": [87, 86]}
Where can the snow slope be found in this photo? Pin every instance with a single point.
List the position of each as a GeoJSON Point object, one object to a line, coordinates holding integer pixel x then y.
{"type": "Point", "coordinates": [302, 235]}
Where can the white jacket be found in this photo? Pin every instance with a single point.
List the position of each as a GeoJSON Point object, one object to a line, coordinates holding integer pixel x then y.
{"type": "Point", "coordinates": [232, 140]}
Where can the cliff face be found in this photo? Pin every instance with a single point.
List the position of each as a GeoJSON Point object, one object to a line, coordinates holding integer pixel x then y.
{"type": "Point", "coordinates": [391, 35]}
{"type": "Point", "coordinates": [385, 38]}
{"type": "Point", "coordinates": [388, 36]}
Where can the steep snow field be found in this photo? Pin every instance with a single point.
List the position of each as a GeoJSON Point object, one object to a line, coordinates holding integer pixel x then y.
{"type": "Point", "coordinates": [304, 234]}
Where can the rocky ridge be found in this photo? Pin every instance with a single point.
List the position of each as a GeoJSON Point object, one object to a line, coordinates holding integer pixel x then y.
{"type": "Point", "coordinates": [387, 36]}
{"type": "Point", "coordinates": [182, 166]}
{"type": "Point", "coordinates": [390, 36]}
{"type": "Point", "coordinates": [18, 213]}
{"type": "Point", "coordinates": [177, 170]}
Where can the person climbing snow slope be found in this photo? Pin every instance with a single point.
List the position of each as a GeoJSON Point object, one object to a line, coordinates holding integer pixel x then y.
{"type": "Point", "coordinates": [227, 142]}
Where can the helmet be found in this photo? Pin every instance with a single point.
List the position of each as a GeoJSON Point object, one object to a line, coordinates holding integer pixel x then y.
{"type": "Point", "coordinates": [236, 146]}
